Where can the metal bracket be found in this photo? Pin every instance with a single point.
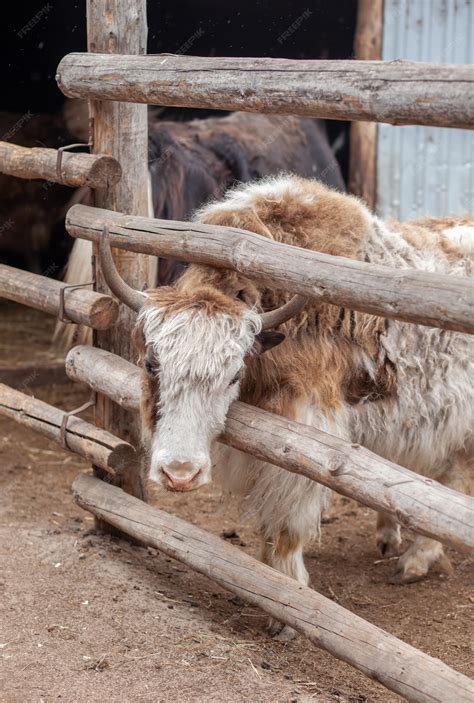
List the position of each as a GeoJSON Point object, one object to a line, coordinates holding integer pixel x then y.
{"type": "Point", "coordinates": [59, 158]}
{"type": "Point", "coordinates": [62, 313]}
{"type": "Point", "coordinates": [65, 420]}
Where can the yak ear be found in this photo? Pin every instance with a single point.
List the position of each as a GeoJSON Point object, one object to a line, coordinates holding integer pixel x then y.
{"type": "Point", "coordinates": [266, 340]}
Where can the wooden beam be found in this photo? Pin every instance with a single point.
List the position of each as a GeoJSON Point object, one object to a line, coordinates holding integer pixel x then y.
{"type": "Point", "coordinates": [113, 455]}
{"type": "Point", "coordinates": [363, 135]}
{"type": "Point", "coordinates": [418, 503]}
{"type": "Point", "coordinates": [94, 171]}
{"type": "Point", "coordinates": [121, 130]}
{"type": "Point", "coordinates": [85, 307]}
{"type": "Point", "coordinates": [431, 299]}
{"type": "Point", "coordinates": [380, 656]}
{"type": "Point", "coordinates": [397, 92]}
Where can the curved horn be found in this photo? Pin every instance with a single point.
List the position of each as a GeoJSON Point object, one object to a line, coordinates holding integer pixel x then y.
{"type": "Point", "coordinates": [131, 297]}
{"type": "Point", "coordinates": [273, 318]}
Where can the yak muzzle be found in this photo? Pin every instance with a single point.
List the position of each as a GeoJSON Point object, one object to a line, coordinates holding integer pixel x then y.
{"type": "Point", "coordinates": [180, 476]}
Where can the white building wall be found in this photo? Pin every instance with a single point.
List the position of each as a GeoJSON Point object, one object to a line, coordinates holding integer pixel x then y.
{"type": "Point", "coordinates": [426, 170]}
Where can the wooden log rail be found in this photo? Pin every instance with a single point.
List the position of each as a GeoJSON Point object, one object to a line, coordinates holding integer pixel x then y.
{"type": "Point", "coordinates": [397, 92]}
{"type": "Point", "coordinates": [398, 666]}
{"type": "Point", "coordinates": [418, 503]}
{"type": "Point", "coordinates": [94, 171]}
{"type": "Point", "coordinates": [82, 306]}
{"type": "Point", "coordinates": [98, 446]}
{"type": "Point", "coordinates": [405, 294]}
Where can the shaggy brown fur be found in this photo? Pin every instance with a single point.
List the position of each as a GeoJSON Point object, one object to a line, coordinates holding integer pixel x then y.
{"type": "Point", "coordinates": [318, 366]}
{"type": "Point", "coordinates": [428, 233]}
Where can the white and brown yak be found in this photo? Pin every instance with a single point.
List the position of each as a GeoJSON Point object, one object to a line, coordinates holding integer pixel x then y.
{"type": "Point", "coordinates": [402, 390]}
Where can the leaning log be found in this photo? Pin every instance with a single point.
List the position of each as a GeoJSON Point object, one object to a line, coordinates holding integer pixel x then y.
{"type": "Point", "coordinates": [424, 298]}
{"type": "Point", "coordinates": [418, 503]}
{"type": "Point", "coordinates": [76, 170]}
{"type": "Point", "coordinates": [379, 655]}
{"type": "Point", "coordinates": [82, 306]}
{"type": "Point", "coordinates": [397, 92]}
{"type": "Point", "coordinates": [80, 437]}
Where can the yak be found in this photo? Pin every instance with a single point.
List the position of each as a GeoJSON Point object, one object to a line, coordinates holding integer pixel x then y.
{"type": "Point", "coordinates": [404, 391]}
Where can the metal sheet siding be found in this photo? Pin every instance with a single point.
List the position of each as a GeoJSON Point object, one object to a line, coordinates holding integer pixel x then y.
{"type": "Point", "coordinates": [426, 170]}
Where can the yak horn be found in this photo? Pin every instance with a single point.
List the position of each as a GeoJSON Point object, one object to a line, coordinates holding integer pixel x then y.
{"type": "Point", "coordinates": [273, 318]}
{"type": "Point", "coordinates": [128, 295]}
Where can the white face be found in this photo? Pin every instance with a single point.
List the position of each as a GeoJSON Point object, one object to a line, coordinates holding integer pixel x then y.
{"type": "Point", "coordinates": [198, 359]}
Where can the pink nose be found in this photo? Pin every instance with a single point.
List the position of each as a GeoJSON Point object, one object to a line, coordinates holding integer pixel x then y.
{"type": "Point", "coordinates": [180, 475]}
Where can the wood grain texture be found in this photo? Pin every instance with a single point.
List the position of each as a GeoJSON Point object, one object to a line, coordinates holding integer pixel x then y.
{"type": "Point", "coordinates": [405, 294]}
{"type": "Point", "coordinates": [121, 130]}
{"type": "Point", "coordinates": [397, 92]}
{"type": "Point", "coordinates": [94, 171]}
{"type": "Point", "coordinates": [113, 455]}
{"type": "Point", "coordinates": [398, 666]}
{"type": "Point", "coordinates": [418, 503]}
{"type": "Point", "coordinates": [363, 135]}
{"type": "Point", "coordinates": [82, 306]}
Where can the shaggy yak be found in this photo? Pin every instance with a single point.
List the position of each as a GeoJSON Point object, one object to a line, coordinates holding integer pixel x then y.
{"type": "Point", "coordinates": [193, 162]}
{"type": "Point", "coordinates": [402, 390]}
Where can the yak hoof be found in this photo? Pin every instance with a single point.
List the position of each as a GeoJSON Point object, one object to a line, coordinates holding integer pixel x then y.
{"type": "Point", "coordinates": [281, 632]}
{"type": "Point", "coordinates": [411, 569]}
{"type": "Point", "coordinates": [388, 543]}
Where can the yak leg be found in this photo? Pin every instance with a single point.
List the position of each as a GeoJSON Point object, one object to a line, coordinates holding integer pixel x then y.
{"type": "Point", "coordinates": [388, 536]}
{"type": "Point", "coordinates": [415, 563]}
{"type": "Point", "coordinates": [285, 553]}
{"type": "Point", "coordinates": [290, 516]}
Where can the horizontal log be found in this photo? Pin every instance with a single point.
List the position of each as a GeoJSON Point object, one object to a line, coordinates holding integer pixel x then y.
{"type": "Point", "coordinates": [405, 294]}
{"type": "Point", "coordinates": [96, 445]}
{"type": "Point", "coordinates": [398, 666]}
{"type": "Point", "coordinates": [92, 170]}
{"type": "Point", "coordinates": [418, 503]}
{"type": "Point", "coordinates": [82, 306]}
{"type": "Point", "coordinates": [397, 92]}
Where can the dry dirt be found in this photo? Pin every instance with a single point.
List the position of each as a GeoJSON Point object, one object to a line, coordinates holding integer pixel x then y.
{"type": "Point", "coordinates": [87, 617]}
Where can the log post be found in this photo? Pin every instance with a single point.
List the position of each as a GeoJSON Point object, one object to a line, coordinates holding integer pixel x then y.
{"type": "Point", "coordinates": [422, 297]}
{"type": "Point", "coordinates": [113, 455]}
{"type": "Point", "coordinates": [363, 142]}
{"type": "Point", "coordinates": [418, 503]}
{"type": "Point", "coordinates": [85, 307]}
{"type": "Point", "coordinates": [121, 130]}
{"type": "Point", "coordinates": [76, 170]}
{"type": "Point", "coordinates": [377, 654]}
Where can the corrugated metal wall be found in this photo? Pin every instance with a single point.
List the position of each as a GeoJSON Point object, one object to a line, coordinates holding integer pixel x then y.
{"type": "Point", "coordinates": [426, 170]}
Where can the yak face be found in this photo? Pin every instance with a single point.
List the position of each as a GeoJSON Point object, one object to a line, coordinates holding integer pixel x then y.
{"type": "Point", "coordinates": [193, 356]}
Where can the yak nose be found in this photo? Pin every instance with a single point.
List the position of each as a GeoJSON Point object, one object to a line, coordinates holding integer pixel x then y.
{"type": "Point", "coordinates": [180, 475]}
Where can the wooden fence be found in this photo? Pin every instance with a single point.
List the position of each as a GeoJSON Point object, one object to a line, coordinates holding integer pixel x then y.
{"type": "Point", "coordinates": [395, 92]}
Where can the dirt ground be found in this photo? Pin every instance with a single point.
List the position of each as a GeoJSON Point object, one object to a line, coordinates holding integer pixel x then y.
{"type": "Point", "coordinates": [87, 617]}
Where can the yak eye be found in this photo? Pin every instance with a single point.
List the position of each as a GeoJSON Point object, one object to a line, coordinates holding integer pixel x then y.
{"type": "Point", "coordinates": [240, 295]}
{"type": "Point", "coordinates": [149, 368]}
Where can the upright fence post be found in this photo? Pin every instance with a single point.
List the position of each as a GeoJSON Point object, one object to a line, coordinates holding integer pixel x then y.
{"type": "Point", "coordinates": [363, 141]}
{"type": "Point", "coordinates": [121, 130]}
